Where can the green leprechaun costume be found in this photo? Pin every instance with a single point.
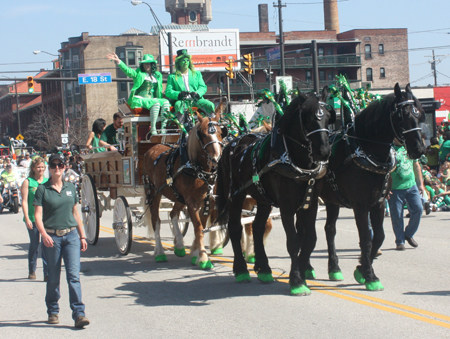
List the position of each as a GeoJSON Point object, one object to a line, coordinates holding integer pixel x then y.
{"type": "Point", "coordinates": [147, 89]}
{"type": "Point", "coordinates": [187, 83]}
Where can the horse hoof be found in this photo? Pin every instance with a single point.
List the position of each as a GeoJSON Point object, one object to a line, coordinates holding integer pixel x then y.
{"type": "Point", "coordinates": [161, 258]}
{"type": "Point", "coordinates": [180, 252]}
{"type": "Point", "coordinates": [374, 286]}
{"type": "Point", "coordinates": [243, 277]}
{"type": "Point", "coordinates": [265, 278]}
{"type": "Point", "coordinates": [336, 276]}
{"type": "Point", "coordinates": [310, 274]}
{"type": "Point", "coordinates": [194, 260]}
{"type": "Point", "coordinates": [301, 290]}
{"type": "Point", "coordinates": [205, 265]}
{"type": "Point", "coordinates": [251, 259]}
{"type": "Point", "coordinates": [359, 277]}
{"type": "Point", "coordinates": [218, 250]}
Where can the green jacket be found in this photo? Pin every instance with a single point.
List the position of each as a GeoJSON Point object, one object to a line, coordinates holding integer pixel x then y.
{"type": "Point", "coordinates": [175, 85]}
{"type": "Point", "coordinates": [138, 79]}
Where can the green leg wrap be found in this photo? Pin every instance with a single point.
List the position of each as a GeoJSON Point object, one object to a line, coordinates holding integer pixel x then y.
{"type": "Point", "coordinates": [161, 258]}
{"type": "Point", "coordinates": [218, 250]}
{"type": "Point", "coordinates": [359, 277]}
{"type": "Point", "coordinates": [154, 111]}
{"type": "Point", "coordinates": [374, 286]}
{"type": "Point", "coordinates": [180, 252]}
{"type": "Point", "coordinates": [250, 259]}
{"type": "Point", "coordinates": [300, 290]}
{"type": "Point", "coordinates": [194, 260]}
{"type": "Point", "coordinates": [243, 277]}
{"type": "Point", "coordinates": [205, 265]}
{"type": "Point", "coordinates": [310, 274]}
{"type": "Point", "coordinates": [336, 276]}
{"type": "Point", "coordinates": [265, 277]}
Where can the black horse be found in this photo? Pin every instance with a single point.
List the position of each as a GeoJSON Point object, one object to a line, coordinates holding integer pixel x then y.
{"type": "Point", "coordinates": [279, 171]}
{"type": "Point", "coordinates": [359, 174]}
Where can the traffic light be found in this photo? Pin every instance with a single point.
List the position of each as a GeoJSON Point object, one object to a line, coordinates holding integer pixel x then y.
{"type": "Point", "coordinates": [229, 68]}
{"type": "Point", "coordinates": [248, 62]}
{"type": "Point", "coordinates": [30, 84]}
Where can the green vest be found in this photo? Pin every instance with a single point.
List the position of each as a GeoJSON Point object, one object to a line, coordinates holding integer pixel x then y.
{"type": "Point", "coordinates": [32, 187]}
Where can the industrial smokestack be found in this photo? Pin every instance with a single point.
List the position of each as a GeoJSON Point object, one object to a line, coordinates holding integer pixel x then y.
{"type": "Point", "coordinates": [331, 16]}
{"type": "Point", "coordinates": [263, 12]}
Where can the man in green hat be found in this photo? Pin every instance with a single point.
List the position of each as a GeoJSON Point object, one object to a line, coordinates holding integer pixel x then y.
{"type": "Point", "coordinates": [187, 83]}
{"type": "Point", "coordinates": [147, 88]}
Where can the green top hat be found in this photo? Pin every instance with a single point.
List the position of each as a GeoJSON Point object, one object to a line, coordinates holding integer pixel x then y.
{"type": "Point", "coordinates": [182, 53]}
{"type": "Point", "coordinates": [148, 58]}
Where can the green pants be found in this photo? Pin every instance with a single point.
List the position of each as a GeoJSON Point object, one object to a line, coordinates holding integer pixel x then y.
{"type": "Point", "coordinates": [205, 105]}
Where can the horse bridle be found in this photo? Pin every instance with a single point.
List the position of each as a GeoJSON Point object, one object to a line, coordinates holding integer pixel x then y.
{"type": "Point", "coordinates": [319, 116]}
{"type": "Point", "coordinates": [211, 130]}
{"type": "Point", "coordinates": [399, 107]}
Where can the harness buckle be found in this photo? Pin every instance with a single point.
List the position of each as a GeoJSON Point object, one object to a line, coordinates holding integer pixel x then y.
{"type": "Point", "coordinates": [169, 181]}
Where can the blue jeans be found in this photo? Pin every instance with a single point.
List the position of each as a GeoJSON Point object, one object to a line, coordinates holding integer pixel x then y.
{"type": "Point", "coordinates": [396, 204]}
{"type": "Point", "coordinates": [34, 250]}
{"type": "Point", "coordinates": [67, 248]}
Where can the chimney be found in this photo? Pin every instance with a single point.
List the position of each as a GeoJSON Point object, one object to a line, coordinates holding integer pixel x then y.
{"type": "Point", "coordinates": [263, 12]}
{"type": "Point", "coordinates": [331, 16]}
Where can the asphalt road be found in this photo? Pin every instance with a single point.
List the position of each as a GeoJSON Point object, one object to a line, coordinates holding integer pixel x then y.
{"type": "Point", "coordinates": [132, 296]}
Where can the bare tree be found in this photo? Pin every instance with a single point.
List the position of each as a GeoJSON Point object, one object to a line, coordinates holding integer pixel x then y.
{"type": "Point", "coordinates": [45, 129]}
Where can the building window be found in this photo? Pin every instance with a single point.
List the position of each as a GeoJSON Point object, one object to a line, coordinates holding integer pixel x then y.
{"type": "Point", "coordinates": [131, 55]}
{"type": "Point", "coordinates": [192, 16]}
{"type": "Point", "coordinates": [308, 76]}
{"type": "Point", "coordinates": [320, 51]}
{"type": "Point", "coordinates": [382, 72]}
{"type": "Point", "coordinates": [369, 74]}
{"type": "Point", "coordinates": [67, 63]}
{"type": "Point", "coordinates": [381, 49]}
{"type": "Point", "coordinates": [322, 75]}
{"type": "Point", "coordinates": [368, 51]}
{"type": "Point", "coordinates": [123, 86]}
{"type": "Point", "coordinates": [69, 89]}
{"type": "Point", "coordinates": [77, 88]}
{"type": "Point", "coordinates": [122, 56]}
{"type": "Point", "coordinates": [76, 62]}
{"type": "Point", "coordinates": [139, 56]}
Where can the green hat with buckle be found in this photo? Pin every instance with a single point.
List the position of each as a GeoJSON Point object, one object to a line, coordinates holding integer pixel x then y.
{"type": "Point", "coordinates": [148, 58]}
{"type": "Point", "coordinates": [182, 53]}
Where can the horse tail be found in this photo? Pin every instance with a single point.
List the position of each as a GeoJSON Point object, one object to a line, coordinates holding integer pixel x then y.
{"type": "Point", "coordinates": [148, 220]}
{"type": "Point", "coordinates": [223, 188]}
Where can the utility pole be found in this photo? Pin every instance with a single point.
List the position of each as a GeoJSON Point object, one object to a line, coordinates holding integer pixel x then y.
{"type": "Point", "coordinates": [433, 67]}
{"type": "Point", "coordinates": [315, 65]}
{"type": "Point", "coordinates": [280, 19]}
{"type": "Point", "coordinates": [17, 105]}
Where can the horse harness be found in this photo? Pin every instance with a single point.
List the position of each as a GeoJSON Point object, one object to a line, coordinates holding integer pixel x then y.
{"type": "Point", "coordinates": [187, 167]}
{"type": "Point", "coordinates": [281, 164]}
{"type": "Point", "coordinates": [365, 161]}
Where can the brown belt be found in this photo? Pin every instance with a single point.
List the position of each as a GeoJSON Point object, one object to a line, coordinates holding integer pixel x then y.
{"type": "Point", "coordinates": [60, 233]}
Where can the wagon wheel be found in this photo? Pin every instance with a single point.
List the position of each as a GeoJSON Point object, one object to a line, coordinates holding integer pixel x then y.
{"type": "Point", "coordinates": [183, 225]}
{"type": "Point", "coordinates": [122, 225]}
{"type": "Point", "coordinates": [90, 209]}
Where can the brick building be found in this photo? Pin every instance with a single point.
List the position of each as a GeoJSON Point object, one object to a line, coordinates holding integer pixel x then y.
{"type": "Point", "coordinates": [28, 105]}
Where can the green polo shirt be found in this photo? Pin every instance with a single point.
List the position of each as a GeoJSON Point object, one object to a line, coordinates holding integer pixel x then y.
{"type": "Point", "coordinates": [109, 135]}
{"type": "Point", "coordinates": [56, 206]}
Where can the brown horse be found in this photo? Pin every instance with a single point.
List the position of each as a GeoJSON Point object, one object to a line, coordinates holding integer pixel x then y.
{"type": "Point", "coordinates": [185, 184]}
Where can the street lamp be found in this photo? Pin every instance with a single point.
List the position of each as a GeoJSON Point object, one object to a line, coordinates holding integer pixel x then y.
{"type": "Point", "coordinates": [63, 104]}
{"type": "Point", "coordinates": [169, 45]}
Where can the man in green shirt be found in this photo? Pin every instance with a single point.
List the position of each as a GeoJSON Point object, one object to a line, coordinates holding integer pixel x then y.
{"type": "Point", "coordinates": [109, 133]}
{"type": "Point", "coordinates": [407, 185]}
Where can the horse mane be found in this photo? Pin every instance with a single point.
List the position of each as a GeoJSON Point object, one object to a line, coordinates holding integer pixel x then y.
{"type": "Point", "coordinates": [191, 144]}
{"type": "Point", "coordinates": [301, 101]}
{"type": "Point", "coordinates": [373, 119]}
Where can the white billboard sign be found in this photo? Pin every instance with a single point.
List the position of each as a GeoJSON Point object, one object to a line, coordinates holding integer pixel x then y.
{"type": "Point", "coordinates": [209, 49]}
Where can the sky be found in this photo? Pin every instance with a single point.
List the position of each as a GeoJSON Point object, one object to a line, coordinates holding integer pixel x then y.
{"type": "Point", "coordinates": [26, 26]}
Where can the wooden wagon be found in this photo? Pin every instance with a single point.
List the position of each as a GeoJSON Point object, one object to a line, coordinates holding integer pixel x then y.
{"type": "Point", "coordinates": [120, 173]}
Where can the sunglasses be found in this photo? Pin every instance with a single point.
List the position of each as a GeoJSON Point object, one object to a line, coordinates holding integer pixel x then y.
{"type": "Point", "coordinates": [54, 165]}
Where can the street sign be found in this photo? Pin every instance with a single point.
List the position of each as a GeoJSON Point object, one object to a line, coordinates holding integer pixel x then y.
{"type": "Point", "coordinates": [273, 53]}
{"type": "Point", "coordinates": [20, 137]}
{"type": "Point", "coordinates": [98, 78]}
{"type": "Point", "coordinates": [64, 139]}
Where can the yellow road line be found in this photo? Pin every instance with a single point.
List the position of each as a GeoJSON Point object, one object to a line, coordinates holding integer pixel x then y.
{"type": "Point", "coordinates": [384, 305]}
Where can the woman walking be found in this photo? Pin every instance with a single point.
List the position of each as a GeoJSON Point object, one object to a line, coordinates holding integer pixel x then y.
{"type": "Point", "coordinates": [59, 224]}
{"type": "Point", "coordinates": [29, 187]}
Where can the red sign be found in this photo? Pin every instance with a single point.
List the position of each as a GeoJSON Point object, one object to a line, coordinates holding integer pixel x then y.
{"type": "Point", "coordinates": [442, 94]}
